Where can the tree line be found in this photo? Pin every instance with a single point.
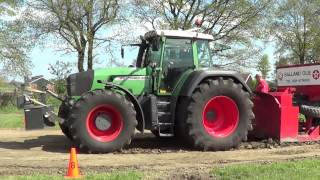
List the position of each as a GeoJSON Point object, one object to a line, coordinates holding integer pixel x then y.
{"type": "Point", "coordinates": [81, 26]}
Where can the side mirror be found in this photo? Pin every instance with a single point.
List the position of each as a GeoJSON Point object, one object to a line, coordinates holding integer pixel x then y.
{"type": "Point", "coordinates": [122, 52]}
{"type": "Point", "coordinates": [156, 44]}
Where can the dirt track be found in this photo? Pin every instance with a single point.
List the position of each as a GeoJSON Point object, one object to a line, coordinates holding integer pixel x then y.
{"type": "Point", "coordinates": [46, 152]}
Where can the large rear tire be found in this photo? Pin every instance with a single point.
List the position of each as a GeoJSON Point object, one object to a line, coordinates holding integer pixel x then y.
{"type": "Point", "coordinates": [102, 121]}
{"type": "Point", "coordinates": [217, 116]}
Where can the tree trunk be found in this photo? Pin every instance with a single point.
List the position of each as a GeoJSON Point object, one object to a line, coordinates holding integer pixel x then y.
{"type": "Point", "coordinates": [301, 59]}
{"type": "Point", "coordinates": [90, 34]}
{"type": "Point", "coordinates": [80, 61]}
{"type": "Point", "coordinates": [90, 51]}
{"type": "Point", "coordinates": [302, 56]}
{"type": "Point", "coordinates": [81, 52]}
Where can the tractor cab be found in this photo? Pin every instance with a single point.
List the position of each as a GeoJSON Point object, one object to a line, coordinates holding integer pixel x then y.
{"type": "Point", "coordinates": [172, 55]}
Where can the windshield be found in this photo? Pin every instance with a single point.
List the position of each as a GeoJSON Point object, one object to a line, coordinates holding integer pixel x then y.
{"type": "Point", "coordinates": [204, 56]}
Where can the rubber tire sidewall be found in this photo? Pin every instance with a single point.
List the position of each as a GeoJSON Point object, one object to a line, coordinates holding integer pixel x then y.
{"type": "Point", "coordinates": [64, 113]}
{"type": "Point", "coordinates": [310, 111]}
{"type": "Point", "coordinates": [80, 115]}
{"type": "Point", "coordinates": [198, 135]}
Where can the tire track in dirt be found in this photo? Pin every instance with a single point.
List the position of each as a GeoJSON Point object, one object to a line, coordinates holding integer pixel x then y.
{"type": "Point", "coordinates": [46, 152]}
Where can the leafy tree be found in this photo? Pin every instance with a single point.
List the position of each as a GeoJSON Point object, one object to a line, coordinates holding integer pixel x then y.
{"type": "Point", "coordinates": [7, 6]}
{"type": "Point", "coordinates": [264, 66]}
{"type": "Point", "coordinates": [2, 81]}
{"type": "Point", "coordinates": [75, 22]}
{"type": "Point", "coordinates": [231, 22]}
{"type": "Point", "coordinates": [296, 28]}
{"type": "Point", "coordinates": [282, 62]}
{"type": "Point", "coordinates": [60, 70]}
{"type": "Point", "coordinates": [15, 42]}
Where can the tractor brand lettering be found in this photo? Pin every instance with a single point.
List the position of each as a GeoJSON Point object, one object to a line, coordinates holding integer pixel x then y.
{"type": "Point", "coordinates": [122, 78]}
{"type": "Point", "coordinates": [299, 76]}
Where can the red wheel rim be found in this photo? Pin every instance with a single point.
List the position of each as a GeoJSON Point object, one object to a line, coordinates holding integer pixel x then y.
{"type": "Point", "coordinates": [220, 116]}
{"type": "Point", "coordinates": [104, 123]}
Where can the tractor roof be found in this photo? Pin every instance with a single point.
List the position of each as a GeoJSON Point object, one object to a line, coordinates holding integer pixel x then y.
{"type": "Point", "coordinates": [180, 34]}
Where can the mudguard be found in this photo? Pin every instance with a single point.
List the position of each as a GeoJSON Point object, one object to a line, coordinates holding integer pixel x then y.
{"type": "Point", "coordinates": [196, 77]}
{"type": "Point", "coordinates": [135, 102]}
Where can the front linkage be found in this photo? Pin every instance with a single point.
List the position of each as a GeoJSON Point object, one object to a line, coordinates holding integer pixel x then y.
{"type": "Point", "coordinates": [38, 114]}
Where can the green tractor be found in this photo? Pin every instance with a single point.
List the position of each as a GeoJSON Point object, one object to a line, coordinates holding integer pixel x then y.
{"type": "Point", "coordinates": [173, 91]}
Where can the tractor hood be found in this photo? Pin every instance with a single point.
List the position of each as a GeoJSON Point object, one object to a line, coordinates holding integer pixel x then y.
{"type": "Point", "coordinates": [82, 82]}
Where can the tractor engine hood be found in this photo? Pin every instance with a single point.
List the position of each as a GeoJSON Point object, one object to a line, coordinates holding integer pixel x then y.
{"type": "Point", "coordinates": [82, 82]}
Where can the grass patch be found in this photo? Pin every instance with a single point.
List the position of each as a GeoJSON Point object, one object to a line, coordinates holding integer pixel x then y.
{"type": "Point", "coordinates": [300, 169]}
{"type": "Point", "coordinates": [11, 120]}
{"type": "Point", "coordinates": [130, 175]}
{"type": "Point", "coordinates": [10, 109]}
{"type": "Point", "coordinates": [11, 117]}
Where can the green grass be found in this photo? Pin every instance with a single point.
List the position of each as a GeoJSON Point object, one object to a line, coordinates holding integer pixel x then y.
{"type": "Point", "coordinates": [300, 169]}
{"type": "Point", "coordinates": [130, 175]}
{"type": "Point", "coordinates": [11, 117]}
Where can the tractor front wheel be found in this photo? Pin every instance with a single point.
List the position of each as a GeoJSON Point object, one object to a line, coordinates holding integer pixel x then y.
{"type": "Point", "coordinates": [63, 113]}
{"type": "Point", "coordinates": [219, 115]}
{"type": "Point", "coordinates": [66, 131]}
{"type": "Point", "coordinates": [102, 121]}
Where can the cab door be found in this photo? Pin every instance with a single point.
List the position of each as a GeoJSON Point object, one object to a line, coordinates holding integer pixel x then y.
{"type": "Point", "coordinates": [177, 58]}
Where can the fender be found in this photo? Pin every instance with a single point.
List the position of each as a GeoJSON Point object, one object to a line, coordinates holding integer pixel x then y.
{"type": "Point", "coordinates": [196, 77]}
{"type": "Point", "coordinates": [133, 99]}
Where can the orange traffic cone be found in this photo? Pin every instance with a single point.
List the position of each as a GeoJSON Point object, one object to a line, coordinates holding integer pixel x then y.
{"type": "Point", "coordinates": [73, 170]}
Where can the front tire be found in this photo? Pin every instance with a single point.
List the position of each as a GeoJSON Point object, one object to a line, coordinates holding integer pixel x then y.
{"type": "Point", "coordinates": [66, 131]}
{"type": "Point", "coordinates": [218, 115]}
{"type": "Point", "coordinates": [64, 113]}
{"type": "Point", "coordinates": [102, 121]}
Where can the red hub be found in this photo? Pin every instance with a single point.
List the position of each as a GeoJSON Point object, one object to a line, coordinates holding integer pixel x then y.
{"type": "Point", "coordinates": [104, 123]}
{"type": "Point", "coordinates": [220, 116]}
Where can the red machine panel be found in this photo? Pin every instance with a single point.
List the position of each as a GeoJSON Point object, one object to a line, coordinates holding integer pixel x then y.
{"type": "Point", "coordinates": [275, 116]}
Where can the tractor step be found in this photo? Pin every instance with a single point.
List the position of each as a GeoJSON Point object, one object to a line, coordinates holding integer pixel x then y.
{"type": "Point", "coordinates": [164, 116]}
{"type": "Point", "coordinates": [163, 105]}
{"type": "Point", "coordinates": [166, 134]}
{"type": "Point", "coordinates": [165, 124]}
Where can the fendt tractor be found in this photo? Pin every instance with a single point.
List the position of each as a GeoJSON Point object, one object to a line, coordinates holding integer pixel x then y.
{"type": "Point", "coordinates": [173, 90]}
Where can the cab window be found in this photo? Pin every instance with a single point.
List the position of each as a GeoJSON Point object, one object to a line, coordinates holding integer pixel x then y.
{"type": "Point", "coordinates": [204, 56]}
